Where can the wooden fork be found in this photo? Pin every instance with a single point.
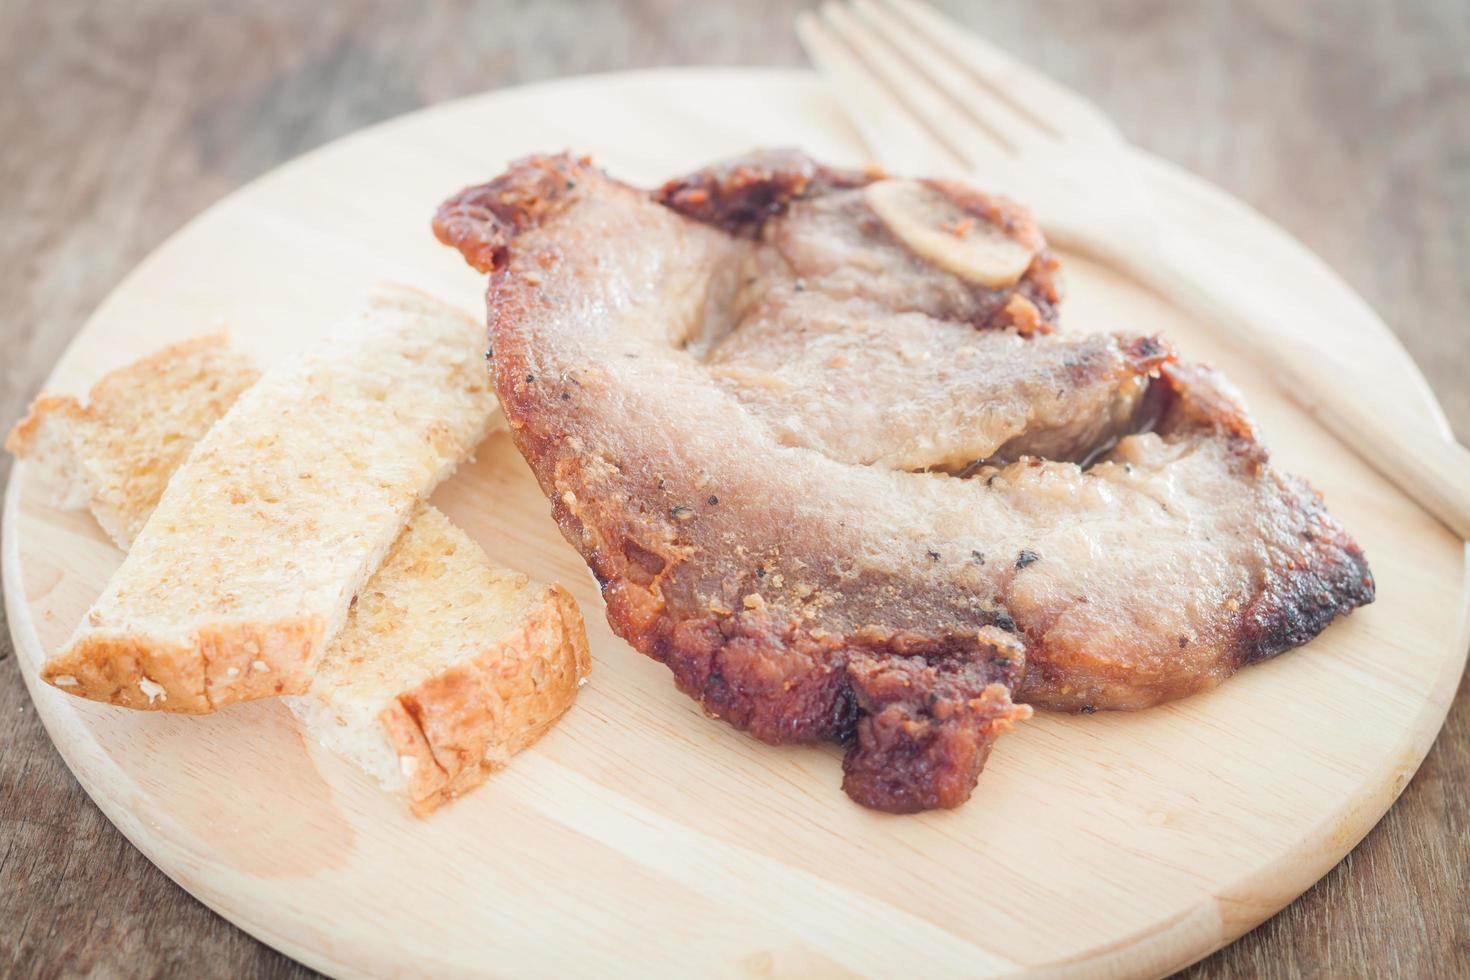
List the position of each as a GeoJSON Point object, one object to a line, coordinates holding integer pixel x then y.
{"type": "Point", "coordinates": [927, 94]}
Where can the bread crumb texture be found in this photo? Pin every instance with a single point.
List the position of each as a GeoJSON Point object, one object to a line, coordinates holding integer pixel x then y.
{"type": "Point", "coordinates": [447, 665]}
{"type": "Point", "coordinates": [283, 510]}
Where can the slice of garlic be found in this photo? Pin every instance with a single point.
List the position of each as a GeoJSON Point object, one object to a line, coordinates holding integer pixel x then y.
{"type": "Point", "coordinates": [940, 232]}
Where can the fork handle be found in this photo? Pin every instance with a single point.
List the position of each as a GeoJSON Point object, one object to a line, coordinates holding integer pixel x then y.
{"type": "Point", "coordinates": [1346, 397]}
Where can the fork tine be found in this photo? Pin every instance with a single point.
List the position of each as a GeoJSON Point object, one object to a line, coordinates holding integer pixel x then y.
{"type": "Point", "coordinates": [893, 137]}
{"type": "Point", "coordinates": [975, 149]}
{"type": "Point", "coordinates": [1027, 91]}
{"type": "Point", "coordinates": [997, 116]}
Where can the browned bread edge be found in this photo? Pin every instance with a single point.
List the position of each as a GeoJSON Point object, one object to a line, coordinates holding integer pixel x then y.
{"type": "Point", "coordinates": [219, 664]}
{"type": "Point", "coordinates": [453, 729]}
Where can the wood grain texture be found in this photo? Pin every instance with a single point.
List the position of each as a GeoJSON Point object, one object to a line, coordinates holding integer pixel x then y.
{"type": "Point", "coordinates": [1335, 119]}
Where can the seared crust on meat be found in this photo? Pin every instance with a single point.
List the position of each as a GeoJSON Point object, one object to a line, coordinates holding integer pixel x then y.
{"type": "Point", "coordinates": [481, 221]}
{"type": "Point", "coordinates": [925, 725]}
{"type": "Point", "coordinates": [1317, 572]}
{"type": "Point", "coordinates": [809, 580]}
{"type": "Point", "coordinates": [1326, 576]}
{"type": "Point", "coordinates": [1323, 575]}
{"type": "Point", "coordinates": [1299, 569]}
{"type": "Point", "coordinates": [741, 194]}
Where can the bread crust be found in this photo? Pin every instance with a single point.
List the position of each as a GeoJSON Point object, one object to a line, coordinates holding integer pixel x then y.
{"type": "Point", "coordinates": [453, 729]}
{"type": "Point", "coordinates": [448, 732]}
{"type": "Point", "coordinates": [222, 663]}
{"type": "Point", "coordinates": [405, 369]}
{"type": "Point", "coordinates": [115, 453]}
{"type": "Point", "coordinates": [22, 439]}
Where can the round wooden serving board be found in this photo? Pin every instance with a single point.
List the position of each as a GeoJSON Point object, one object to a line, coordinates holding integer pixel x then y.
{"type": "Point", "coordinates": [639, 834]}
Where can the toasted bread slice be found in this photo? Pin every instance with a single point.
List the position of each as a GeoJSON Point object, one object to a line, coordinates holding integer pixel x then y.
{"type": "Point", "coordinates": [115, 454]}
{"type": "Point", "coordinates": [277, 518]}
{"type": "Point", "coordinates": [447, 665]}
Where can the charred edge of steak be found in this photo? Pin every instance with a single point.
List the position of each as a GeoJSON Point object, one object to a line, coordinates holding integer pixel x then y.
{"type": "Point", "coordinates": [481, 221]}
{"type": "Point", "coordinates": [917, 714]}
{"type": "Point", "coordinates": [1302, 592]}
{"type": "Point", "coordinates": [925, 730]}
{"type": "Point", "coordinates": [778, 683]}
{"type": "Point", "coordinates": [739, 195]}
{"type": "Point", "coordinates": [1305, 592]}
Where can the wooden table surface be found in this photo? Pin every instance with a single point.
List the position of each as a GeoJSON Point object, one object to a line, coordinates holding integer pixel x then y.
{"type": "Point", "coordinates": [1346, 121]}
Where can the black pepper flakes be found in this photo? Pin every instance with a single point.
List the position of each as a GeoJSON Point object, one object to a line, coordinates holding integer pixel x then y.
{"type": "Point", "coordinates": [713, 500]}
{"type": "Point", "coordinates": [1026, 557]}
{"type": "Point", "coordinates": [489, 353]}
{"type": "Point", "coordinates": [681, 513]}
{"type": "Point", "coordinates": [933, 555]}
{"type": "Point", "coordinates": [566, 397]}
{"type": "Point", "coordinates": [978, 557]}
{"type": "Point", "coordinates": [530, 379]}
{"type": "Point", "coordinates": [760, 572]}
{"type": "Point", "coordinates": [1088, 709]}
{"type": "Point", "coordinates": [1005, 622]}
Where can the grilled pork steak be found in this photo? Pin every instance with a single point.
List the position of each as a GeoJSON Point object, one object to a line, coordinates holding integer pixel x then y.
{"type": "Point", "coordinates": [816, 438]}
